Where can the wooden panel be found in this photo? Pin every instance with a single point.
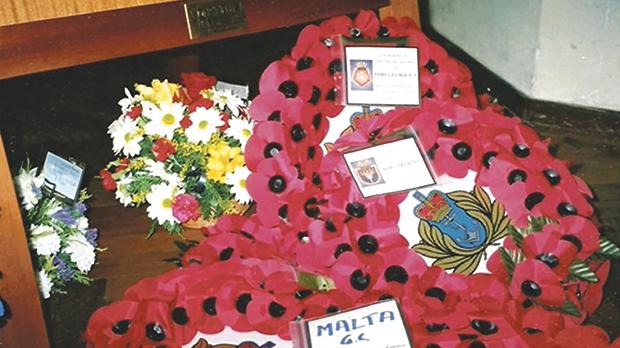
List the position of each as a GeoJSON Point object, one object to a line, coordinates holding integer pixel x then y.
{"type": "Point", "coordinates": [401, 8]}
{"type": "Point", "coordinates": [53, 44]}
{"type": "Point", "coordinates": [22, 11]}
{"type": "Point", "coordinates": [26, 326]}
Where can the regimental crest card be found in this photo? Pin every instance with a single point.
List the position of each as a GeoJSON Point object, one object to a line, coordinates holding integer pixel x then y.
{"type": "Point", "coordinates": [390, 167]}
{"type": "Point", "coordinates": [380, 75]}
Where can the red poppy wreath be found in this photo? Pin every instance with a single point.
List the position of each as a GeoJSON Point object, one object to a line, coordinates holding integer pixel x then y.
{"type": "Point", "coordinates": [547, 262]}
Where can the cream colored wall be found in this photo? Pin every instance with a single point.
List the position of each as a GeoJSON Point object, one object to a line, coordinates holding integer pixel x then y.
{"type": "Point", "coordinates": [565, 51]}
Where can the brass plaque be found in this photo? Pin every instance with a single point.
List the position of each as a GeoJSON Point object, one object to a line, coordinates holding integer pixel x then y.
{"type": "Point", "coordinates": [208, 17]}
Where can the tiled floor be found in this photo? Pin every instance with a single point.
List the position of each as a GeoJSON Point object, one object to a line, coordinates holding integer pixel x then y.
{"type": "Point", "coordinates": [68, 112]}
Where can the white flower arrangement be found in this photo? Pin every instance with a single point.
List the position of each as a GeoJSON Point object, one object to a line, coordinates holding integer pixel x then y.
{"type": "Point", "coordinates": [59, 234]}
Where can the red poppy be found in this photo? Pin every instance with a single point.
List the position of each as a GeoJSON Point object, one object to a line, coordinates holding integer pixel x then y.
{"type": "Point", "coordinates": [267, 140]}
{"type": "Point", "coordinates": [399, 27]}
{"type": "Point", "coordinates": [588, 336]}
{"type": "Point", "coordinates": [579, 231]}
{"type": "Point", "coordinates": [109, 326]}
{"type": "Point", "coordinates": [534, 280]}
{"type": "Point", "coordinates": [556, 253]}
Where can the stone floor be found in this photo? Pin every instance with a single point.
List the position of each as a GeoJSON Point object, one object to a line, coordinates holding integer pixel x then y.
{"type": "Point", "coordinates": [68, 111]}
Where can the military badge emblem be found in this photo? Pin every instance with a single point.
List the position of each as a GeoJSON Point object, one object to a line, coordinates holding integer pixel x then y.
{"type": "Point", "coordinates": [367, 172]}
{"type": "Point", "coordinates": [456, 228]}
{"type": "Point", "coordinates": [361, 75]}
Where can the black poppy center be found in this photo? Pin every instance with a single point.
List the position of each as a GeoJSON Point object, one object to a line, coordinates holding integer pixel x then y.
{"type": "Point", "coordinates": [447, 126]}
{"type": "Point", "coordinates": [485, 327]}
{"type": "Point", "coordinates": [342, 248]}
{"type": "Point", "coordinates": [275, 116]}
{"type": "Point", "coordinates": [461, 151]}
{"type": "Point", "coordinates": [549, 259]}
{"type": "Point", "coordinates": [436, 292]}
{"type": "Point", "coordinates": [533, 199]}
{"type": "Point", "coordinates": [277, 184]}
{"type": "Point", "coordinates": [271, 149]}
{"type": "Point", "coordinates": [179, 316]}
{"type": "Point", "coordinates": [565, 209]}
{"type": "Point", "coordinates": [488, 158]}
{"type": "Point", "coordinates": [432, 67]}
{"type": "Point", "coordinates": [356, 209]}
{"type": "Point", "coordinates": [276, 310]}
{"type": "Point", "coordinates": [297, 133]}
{"type": "Point", "coordinates": [155, 332]}
{"type": "Point", "coordinates": [397, 274]}
{"type": "Point", "coordinates": [359, 281]}
{"type": "Point", "coordinates": [304, 63]}
{"type": "Point", "coordinates": [531, 289]}
{"type": "Point", "coordinates": [226, 254]}
{"type": "Point", "coordinates": [516, 175]}
{"type": "Point", "coordinates": [311, 209]}
{"type": "Point", "coordinates": [208, 305]}
{"type": "Point", "coordinates": [436, 327]}
{"type": "Point", "coordinates": [242, 302]}
{"type": "Point", "coordinates": [368, 244]}
{"type": "Point", "coordinates": [355, 32]}
{"type": "Point", "coordinates": [289, 89]}
{"type": "Point", "coordinates": [283, 211]}
{"type": "Point", "coordinates": [316, 95]}
{"type": "Point", "coordinates": [121, 327]}
{"type": "Point", "coordinates": [574, 240]}
{"type": "Point", "coordinates": [301, 294]}
{"type": "Point", "coordinates": [552, 176]}
{"type": "Point", "coordinates": [521, 150]}
{"type": "Point", "coordinates": [316, 120]}
{"type": "Point", "coordinates": [335, 66]}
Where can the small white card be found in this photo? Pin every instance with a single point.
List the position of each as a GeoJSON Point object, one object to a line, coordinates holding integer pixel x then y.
{"type": "Point", "coordinates": [378, 75]}
{"type": "Point", "coordinates": [391, 167]}
{"type": "Point", "coordinates": [62, 177]}
{"type": "Point", "coordinates": [373, 326]}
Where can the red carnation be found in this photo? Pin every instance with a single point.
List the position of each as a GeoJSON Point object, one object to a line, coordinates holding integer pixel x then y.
{"type": "Point", "coordinates": [124, 163]}
{"type": "Point", "coordinates": [163, 149]}
{"type": "Point", "coordinates": [185, 207]}
{"type": "Point", "coordinates": [108, 181]}
{"type": "Point", "coordinates": [186, 122]}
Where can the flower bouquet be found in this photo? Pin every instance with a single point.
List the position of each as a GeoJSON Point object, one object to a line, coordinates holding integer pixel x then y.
{"type": "Point", "coordinates": [181, 149]}
{"type": "Point", "coordinates": [64, 244]}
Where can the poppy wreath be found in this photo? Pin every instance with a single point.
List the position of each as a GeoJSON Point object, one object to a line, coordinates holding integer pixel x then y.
{"type": "Point", "coordinates": [311, 222]}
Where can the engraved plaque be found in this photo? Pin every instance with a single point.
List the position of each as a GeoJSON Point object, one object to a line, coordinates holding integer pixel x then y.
{"type": "Point", "coordinates": [208, 17]}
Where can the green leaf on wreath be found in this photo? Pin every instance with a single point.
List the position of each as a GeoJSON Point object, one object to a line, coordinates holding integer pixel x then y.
{"type": "Point", "coordinates": [315, 282]}
{"type": "Point", "coordinates": [580, 270]}
{"type": "Point", "coordinates": [570, 308]}
{"type": "Point", "coordinates": [516, 235]}
{"type": "Point", "coordinates": [508, 262]}
{"type": "Point", "coordinates": [608, 249]}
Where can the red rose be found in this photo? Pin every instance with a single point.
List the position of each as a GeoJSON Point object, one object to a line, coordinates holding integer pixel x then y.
{"type": "Point", "coordinates": [185, 208]}
{"type": "Point", "coordinates": [135, 112]}
{"type": "Point", "coordinates": [108, 181]}
{"type": "Point", "coordinates": [163, 149]}
{"type": "Point", "coordinates": [196, 82]}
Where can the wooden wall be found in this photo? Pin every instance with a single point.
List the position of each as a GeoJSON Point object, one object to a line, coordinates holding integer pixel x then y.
{"type": "Point", "coordinates": [22, 11]}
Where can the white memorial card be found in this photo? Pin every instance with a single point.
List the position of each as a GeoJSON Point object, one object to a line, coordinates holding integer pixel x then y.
{"type": "Point", "coordinates": [390, 167]}
{"type": "Point", "coordinates": [62, 177]}
{"type": "Point", "coordinates": [377, 75]}
{"type": "Point", "coordinates": [373, 326]}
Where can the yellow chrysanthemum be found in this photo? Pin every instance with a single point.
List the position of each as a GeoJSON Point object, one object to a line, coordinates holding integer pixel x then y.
{"type": "Point", "coordinates": [158, 92]}
{"type": "Point", "coordinates": [223, 159]}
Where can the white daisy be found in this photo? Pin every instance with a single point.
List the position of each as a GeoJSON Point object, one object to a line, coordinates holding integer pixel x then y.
{"type": "Point", "coordinates": [160, 199]}
{"type": "Point", "coordinates": [240, 129]}
{"type": "Point", "coordinates": [226, 98]}
{"type": "Point", "coordinates": [81, 252]}
{"type": "Point", "coordinates": [237, 180]}
{"type": "Point", "coordinates": [158, 169]}
{"type": "Point", "coordinates": [204, 124]}
{"type": "Point", "coordinates": [121, 190]}
{"type": "Point", "coordinates": [163, 119]}
{"type": "Point", "coordinates": [45, 283]}
{"type": "Point", "coordinates": [128, 102]}
{"type": "Point", "coordinates": [82, 223]}
{"type": "Point", "coordinates": [44, 239]}
{"type": "Point", "coordinates": [125, 136]}
{"type": "Point", "coordinates": [29, 187]}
